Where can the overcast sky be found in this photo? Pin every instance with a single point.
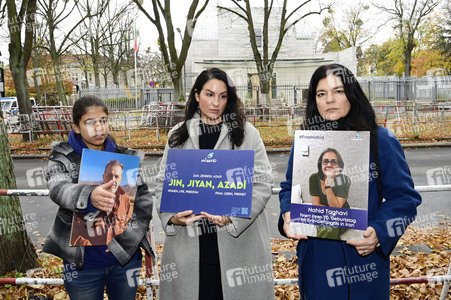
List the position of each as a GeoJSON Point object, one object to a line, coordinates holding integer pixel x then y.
{"type": "Point", "coordinates": [312, 24]}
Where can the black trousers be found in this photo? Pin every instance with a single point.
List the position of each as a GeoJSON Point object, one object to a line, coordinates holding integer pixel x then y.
{"type": "Point", "coordinates": [210, 285]}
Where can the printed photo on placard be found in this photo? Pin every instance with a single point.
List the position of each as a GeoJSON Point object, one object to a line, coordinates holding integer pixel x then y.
{"type": "Point", "coordinates": [94, 227]}
{"type": "Point", "coordinates": [329, 196]}
{"type": "Point", "coordinates": [218, 182]}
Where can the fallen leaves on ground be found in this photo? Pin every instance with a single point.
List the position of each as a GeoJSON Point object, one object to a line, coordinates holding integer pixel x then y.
{"type": "Point", "coordinates": [405, 264]}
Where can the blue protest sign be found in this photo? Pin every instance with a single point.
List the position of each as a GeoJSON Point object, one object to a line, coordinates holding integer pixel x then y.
{"type": "Point", "coordinates": [218, 182]}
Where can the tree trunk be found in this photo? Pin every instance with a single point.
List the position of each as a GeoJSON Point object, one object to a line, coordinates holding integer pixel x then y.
{"type": "Point", "coordinates": [36, 77]}
{"type": "Point", "coordinates": [116, 79]}
{"type": "Point", "coordinates": [20, 84]}
{"type": "Point", "coordinates": [105, 77]}
{"type": "Point", "coordinates": [178, 89]}
{"type": "Point", "coordinates": [265, 91]}
{"type": "Point", "coordinates": [95, 64]}
{"type": "Point", "coordinates": [86, 79]}
{"type": "Point", "coordinates": [408, 58]}
{"type": "Point", "coordinates": [16, 250]}
{"type": "Point", "coordinates": [97, 75]}
{"type": "Point", "coordinates": [59, 83]}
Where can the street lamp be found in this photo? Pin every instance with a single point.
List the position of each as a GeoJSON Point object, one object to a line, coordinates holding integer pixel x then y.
{"type": "Point", "coordinates": [2, 79]}
{"type": "Point", "coordinates": [184, 70]}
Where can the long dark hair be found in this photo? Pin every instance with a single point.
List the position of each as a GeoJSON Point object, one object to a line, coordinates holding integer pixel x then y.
{"type": "Point", "coordinates": [82, 105]}
{"type": "Point", "coordinates": [360, 117]}
{"type": "Point", "coordinates": [235, 119]}
{"type": "Point", "coordinates": [341, 164]}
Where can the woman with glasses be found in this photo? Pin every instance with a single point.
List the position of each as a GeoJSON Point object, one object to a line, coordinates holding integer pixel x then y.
{"type": "Point", "coordinates": [335, 269]}
{"type": "Point", "coordinates": [88, 270]}
{"type": "Point", "coordinates": [329, 187]}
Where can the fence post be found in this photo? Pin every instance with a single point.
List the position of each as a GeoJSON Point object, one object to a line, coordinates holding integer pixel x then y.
{"type": "Point", "coordinates": [434, 90]}
{"type": "Point", "coordinates": [398, 91]}
{"type": "Point", "coordinates": [445, 286]}
{"type": "Point", "coordinates": [30, 121]}
{"type": "Point", "coordinates": [125, 125]}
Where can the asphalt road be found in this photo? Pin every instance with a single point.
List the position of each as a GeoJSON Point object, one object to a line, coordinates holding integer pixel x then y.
{"type": "Point", "coordinates": [39, 212]}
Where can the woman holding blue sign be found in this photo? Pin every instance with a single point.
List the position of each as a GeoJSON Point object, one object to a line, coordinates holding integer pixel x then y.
{"type": "Point", "coordinates": [231, 255]}
{"type": "Point", "coordinates": [333, 269]}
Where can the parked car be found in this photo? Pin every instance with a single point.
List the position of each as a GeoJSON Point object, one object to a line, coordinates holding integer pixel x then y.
{"type": "Point", "coordinates": [9, 104]}
{"type": "Point", "coordinates": [10, 109]}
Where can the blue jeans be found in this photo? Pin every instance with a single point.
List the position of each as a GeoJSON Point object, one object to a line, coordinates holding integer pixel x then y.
{"type": "Point", "coordinates": [121, 282]}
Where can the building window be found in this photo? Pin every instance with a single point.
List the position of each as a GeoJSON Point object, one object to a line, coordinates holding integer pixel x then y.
{"type": "Point", "coordinates": [258, 36]}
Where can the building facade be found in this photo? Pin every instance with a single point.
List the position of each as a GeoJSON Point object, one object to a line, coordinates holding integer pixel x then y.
{"type": "Point", "coordinates": [224, 43]}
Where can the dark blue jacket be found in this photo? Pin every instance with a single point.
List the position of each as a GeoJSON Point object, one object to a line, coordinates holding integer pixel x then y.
{"type": "Point", "coordinates": [330, 269]}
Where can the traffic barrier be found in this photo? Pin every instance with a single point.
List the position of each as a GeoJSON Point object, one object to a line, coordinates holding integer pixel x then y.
{"type": "Point", "coordinates": [275, 191]}
{"type": "Point", "coordinates": [156, 282]}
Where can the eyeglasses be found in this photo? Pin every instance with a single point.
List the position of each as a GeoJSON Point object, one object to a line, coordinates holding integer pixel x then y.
{"type": "Point", "coordinates": [333, 162]}
{"type": "Point", "coordinates": [93, 122]}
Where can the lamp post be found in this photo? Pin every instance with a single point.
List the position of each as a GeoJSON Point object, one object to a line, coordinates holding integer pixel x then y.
{"type": "Point", "coordinates": [184, 70]}
{"type": "Point", "coordinates": [2, 79]}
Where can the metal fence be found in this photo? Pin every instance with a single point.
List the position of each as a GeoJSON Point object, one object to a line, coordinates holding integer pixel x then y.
{"type": "Point", "coordinates": [410, 118]}
{"type": "Point", "coordinates": [395, 90]}
{"type": "Point", "coordinates": [399, 89]}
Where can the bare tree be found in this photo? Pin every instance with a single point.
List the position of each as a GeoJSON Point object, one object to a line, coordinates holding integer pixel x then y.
{"type": "Point", "coordinates": [20, 49]}
{"type": "Point", "coordinates": [81, 52]}
{"type": "Point", "coordinates": [287, 20]}
{"type": "Point", "coordinates": [16, 250]}
{"type": "Point", "coordinates": [408, 16]}
{"type": "Point", "coordinates": [154, 68]}
{"type": "Point", "coordinates": [115, 47]}
{"type": "Point", "coordinates": [96, 32]}
{"type": "Point", "coordinates": [54, 13]}
{"type": "Point", "coordinates": [162, 20]}
{"type": "Point", "coordinates": [349, 31]}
